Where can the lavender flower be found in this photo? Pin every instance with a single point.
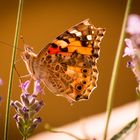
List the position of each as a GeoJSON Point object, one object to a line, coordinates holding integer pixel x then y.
{"type": "Point", "coordinates": [27, 109]}
{"type": "Point", "coordinates": [1, 82]}
{"type": "Point", "coordinates": [133, 24]}
{"type": "Point", "coordinates": [133, 46]}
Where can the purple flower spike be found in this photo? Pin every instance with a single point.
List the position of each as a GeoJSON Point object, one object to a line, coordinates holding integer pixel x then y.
{"type": "Point", "coordinates": [1, 82]}
{"type": "Point", "coordinates": [24, 86]}
{"type": "Point", "coordinates": [37, 120]}
{"type": "Point", "coordinates": [40, 104]}
{"type": "Point", "coordinates": [24, 99]}
{"type": "Point", "coordinates": [133, 26]}
{"type": "Point", "coordinates": [133, 46]}
{"type": "Point", "coordinates": [15, 117]}
{"type": "Point", "coordinates": [37, 88]}
{"type": "Point", "coordinates": [27, 109]}
{"type": "Point", "coordinates": [35, 123]}
{"type": "Point", "coordinates": [130, 64]}
{"type": "Point", "coordinates": [129, 50]}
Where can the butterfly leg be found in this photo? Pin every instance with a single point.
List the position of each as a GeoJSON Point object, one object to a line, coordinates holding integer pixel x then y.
{"type": "Point", "coordinates": [43, 88]}
{"type": "Point", "coordinates": [21, 77]}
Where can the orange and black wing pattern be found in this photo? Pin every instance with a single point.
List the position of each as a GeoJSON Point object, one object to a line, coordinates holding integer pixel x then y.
{"type": "Point", "coordinates": [74, 53]}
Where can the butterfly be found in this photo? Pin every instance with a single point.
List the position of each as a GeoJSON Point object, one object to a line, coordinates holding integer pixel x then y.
{"type": "Point", "coordinates": [68, 65]}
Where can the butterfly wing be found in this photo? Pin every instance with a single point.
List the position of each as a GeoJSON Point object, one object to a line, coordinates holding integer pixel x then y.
{"type": "Point", "coordinates": [70, 61]}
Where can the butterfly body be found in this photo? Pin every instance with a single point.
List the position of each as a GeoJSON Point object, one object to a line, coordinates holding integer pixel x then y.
{"type": "Point", "coordinates": [67, 66]}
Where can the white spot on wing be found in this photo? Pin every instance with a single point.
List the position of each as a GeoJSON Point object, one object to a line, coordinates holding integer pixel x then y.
{"type": "Point", "coordinates": [89, 37]}
{"type": "Point", "coordinates": [62, 43]}
{"type": "Point", "coordinates": [73, 31]}
{"type": "Point", "coordinates": [76, 32]}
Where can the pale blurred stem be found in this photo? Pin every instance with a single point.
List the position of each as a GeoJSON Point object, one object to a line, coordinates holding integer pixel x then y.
{"type": "Point", "coordinates": [116, 69]}
{"type": "Point", "coordinates": [15, 44]}
{"type": "Point", "coordinates": [67, 133]}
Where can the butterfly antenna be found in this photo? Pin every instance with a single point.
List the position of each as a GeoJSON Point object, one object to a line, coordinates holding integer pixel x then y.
{"type": "Point", "coordinates": [9, 45]}
{"type": "Point", "coordinates": [20, 79]}
{"type": "Point", "coordinates": [18, 60]}
{"type": "Point", "coordinates": [22, 38]}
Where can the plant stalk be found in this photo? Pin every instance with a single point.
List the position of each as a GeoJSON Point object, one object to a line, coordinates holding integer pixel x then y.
{"type": "Point", "coordinates": [15, 44]}
{"type": "Point", "coordinates": [67, 133]}
{"type": "Point", "coordinates": [24, 138]}
{"type": "Point", "coordinates": [115, 70]}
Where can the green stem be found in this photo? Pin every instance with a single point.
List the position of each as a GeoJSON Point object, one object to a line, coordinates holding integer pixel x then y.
{"type": "Point", "coordinates": [136, 134]}
{"type": "Point", "coordinates": [15, 44]}
{"type": "Point", "coordinates": [116, 69]}
{"type": "Point", "coordinates": [24, 138]}
{"type": "Point", "coordinates": [126, 130]}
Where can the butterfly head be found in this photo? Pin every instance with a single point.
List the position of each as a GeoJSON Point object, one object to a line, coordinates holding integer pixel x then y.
{"type": "Point", "coordinates": [28, 57]}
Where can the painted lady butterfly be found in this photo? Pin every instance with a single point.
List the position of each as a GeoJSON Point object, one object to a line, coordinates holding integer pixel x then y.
{"type": "Point", "coordinates": [67, 65]}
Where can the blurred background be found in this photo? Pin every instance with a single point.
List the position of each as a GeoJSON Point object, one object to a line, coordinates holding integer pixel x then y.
{"type": "Point", "coordinates": [42, 21]}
